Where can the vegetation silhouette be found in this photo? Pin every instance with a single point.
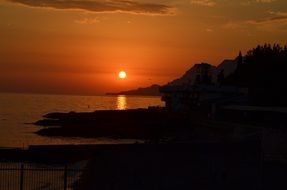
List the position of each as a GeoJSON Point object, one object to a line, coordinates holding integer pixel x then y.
{"type": "Point", "coordinates": [263, 71]}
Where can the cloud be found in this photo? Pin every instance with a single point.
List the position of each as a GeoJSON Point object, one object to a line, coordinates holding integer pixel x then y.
{"type": "Point", "coordinates": [274, 18]}
{"type": "Point", "coordinates": [101, 6]}
{"type": "Point", "coordinates": [88, 21]}
{"type": "Point", "coordinates": [209, 30]}
{"type": "Point", "coordinates": [207, 3]}
{"type": "Point", "coordinates": [275, 22]}
{"type": "Point", "coordinates": [233, 25]}
{"type": "Point", "coordinates": [253, 2]}
{"type": "Point", "coordinates": [265, 1]}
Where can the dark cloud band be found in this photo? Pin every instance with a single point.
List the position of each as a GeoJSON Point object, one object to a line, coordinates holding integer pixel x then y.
{"type": "Point", "coordinates": [100, 6]}
{"type": "Point", "coordinates": [269, 20]}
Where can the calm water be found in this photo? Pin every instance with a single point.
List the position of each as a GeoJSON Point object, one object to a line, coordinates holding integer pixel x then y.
{"type": "Point", "coordinates": [18, 109]}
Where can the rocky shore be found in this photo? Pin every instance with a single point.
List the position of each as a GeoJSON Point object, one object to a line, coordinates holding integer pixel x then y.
{"type": "Point", "coordinates": [180, 151]}
{"type": "Point", "coordinates": [150, 123]}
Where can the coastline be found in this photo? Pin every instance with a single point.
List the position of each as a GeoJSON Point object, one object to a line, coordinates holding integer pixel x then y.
{"type": "Point", "coordinates": [152, 123]}
{"type": "Point", "coordinates": [19, 109]}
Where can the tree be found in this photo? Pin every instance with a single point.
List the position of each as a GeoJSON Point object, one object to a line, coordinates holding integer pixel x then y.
{"type": "Point", "coordinates": [264, 72]}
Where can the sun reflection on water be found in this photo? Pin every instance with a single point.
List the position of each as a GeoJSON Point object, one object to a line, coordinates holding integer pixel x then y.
{"type": "Point", "coordinates": [121, 102]}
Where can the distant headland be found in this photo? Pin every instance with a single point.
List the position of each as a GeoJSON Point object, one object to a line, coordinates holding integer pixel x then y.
{"type": "Point", "coordinates": [152, 90]}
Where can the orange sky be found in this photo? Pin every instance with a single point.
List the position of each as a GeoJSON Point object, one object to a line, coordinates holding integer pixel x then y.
{"type": "Point", "coordinates": [79, 46]}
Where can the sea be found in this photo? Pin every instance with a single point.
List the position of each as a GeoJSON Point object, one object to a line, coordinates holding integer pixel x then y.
{"type": "Point", "coordinates": [18, 111]}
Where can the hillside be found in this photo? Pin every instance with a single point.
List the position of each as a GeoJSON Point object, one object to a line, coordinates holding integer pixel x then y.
{"type": "Point", "coordinates": [190, 76]}
{"type": "Point", "coordinates": [227, 66]}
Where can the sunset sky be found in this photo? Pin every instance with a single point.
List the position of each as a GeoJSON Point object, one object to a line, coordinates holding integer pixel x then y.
{"type": "Point", "coordinates": [79, 46]}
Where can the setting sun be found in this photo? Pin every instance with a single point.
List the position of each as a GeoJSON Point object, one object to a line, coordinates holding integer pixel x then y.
{"type": "Point", "coordinates": [122, 75]}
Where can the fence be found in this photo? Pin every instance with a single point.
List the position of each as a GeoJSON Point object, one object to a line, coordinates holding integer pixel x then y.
{"type": "Point", "coordinates": [19, 176]}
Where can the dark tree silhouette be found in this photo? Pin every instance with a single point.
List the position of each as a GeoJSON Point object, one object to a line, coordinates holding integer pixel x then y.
{"type": "Point", "coordinates": [264, 72]}
{"type": "Point", "coordinates": [240, 58]}
{"type": "Point", "coordinates": [235, 78]}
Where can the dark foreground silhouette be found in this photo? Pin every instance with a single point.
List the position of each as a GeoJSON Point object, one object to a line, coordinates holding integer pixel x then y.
{"type": "Point", "coordinates": [138, 124]}
{"type": "Point", "coordinates": [236, 150]}
{"type": "Point", "coordinates": [194, 165]}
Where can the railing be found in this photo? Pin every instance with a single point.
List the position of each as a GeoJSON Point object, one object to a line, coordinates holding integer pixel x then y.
{"type": "Point", "coordinates": [20, 176]}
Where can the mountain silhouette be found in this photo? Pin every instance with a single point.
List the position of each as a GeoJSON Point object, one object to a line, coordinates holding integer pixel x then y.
{"type": "Point", "coordinates": [226, 67]}
{"type": "Point", "coordinates": [152, 90]}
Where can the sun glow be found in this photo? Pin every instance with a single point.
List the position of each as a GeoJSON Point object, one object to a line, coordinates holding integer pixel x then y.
{"type": "Point", "coordinates": [122, 75]}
